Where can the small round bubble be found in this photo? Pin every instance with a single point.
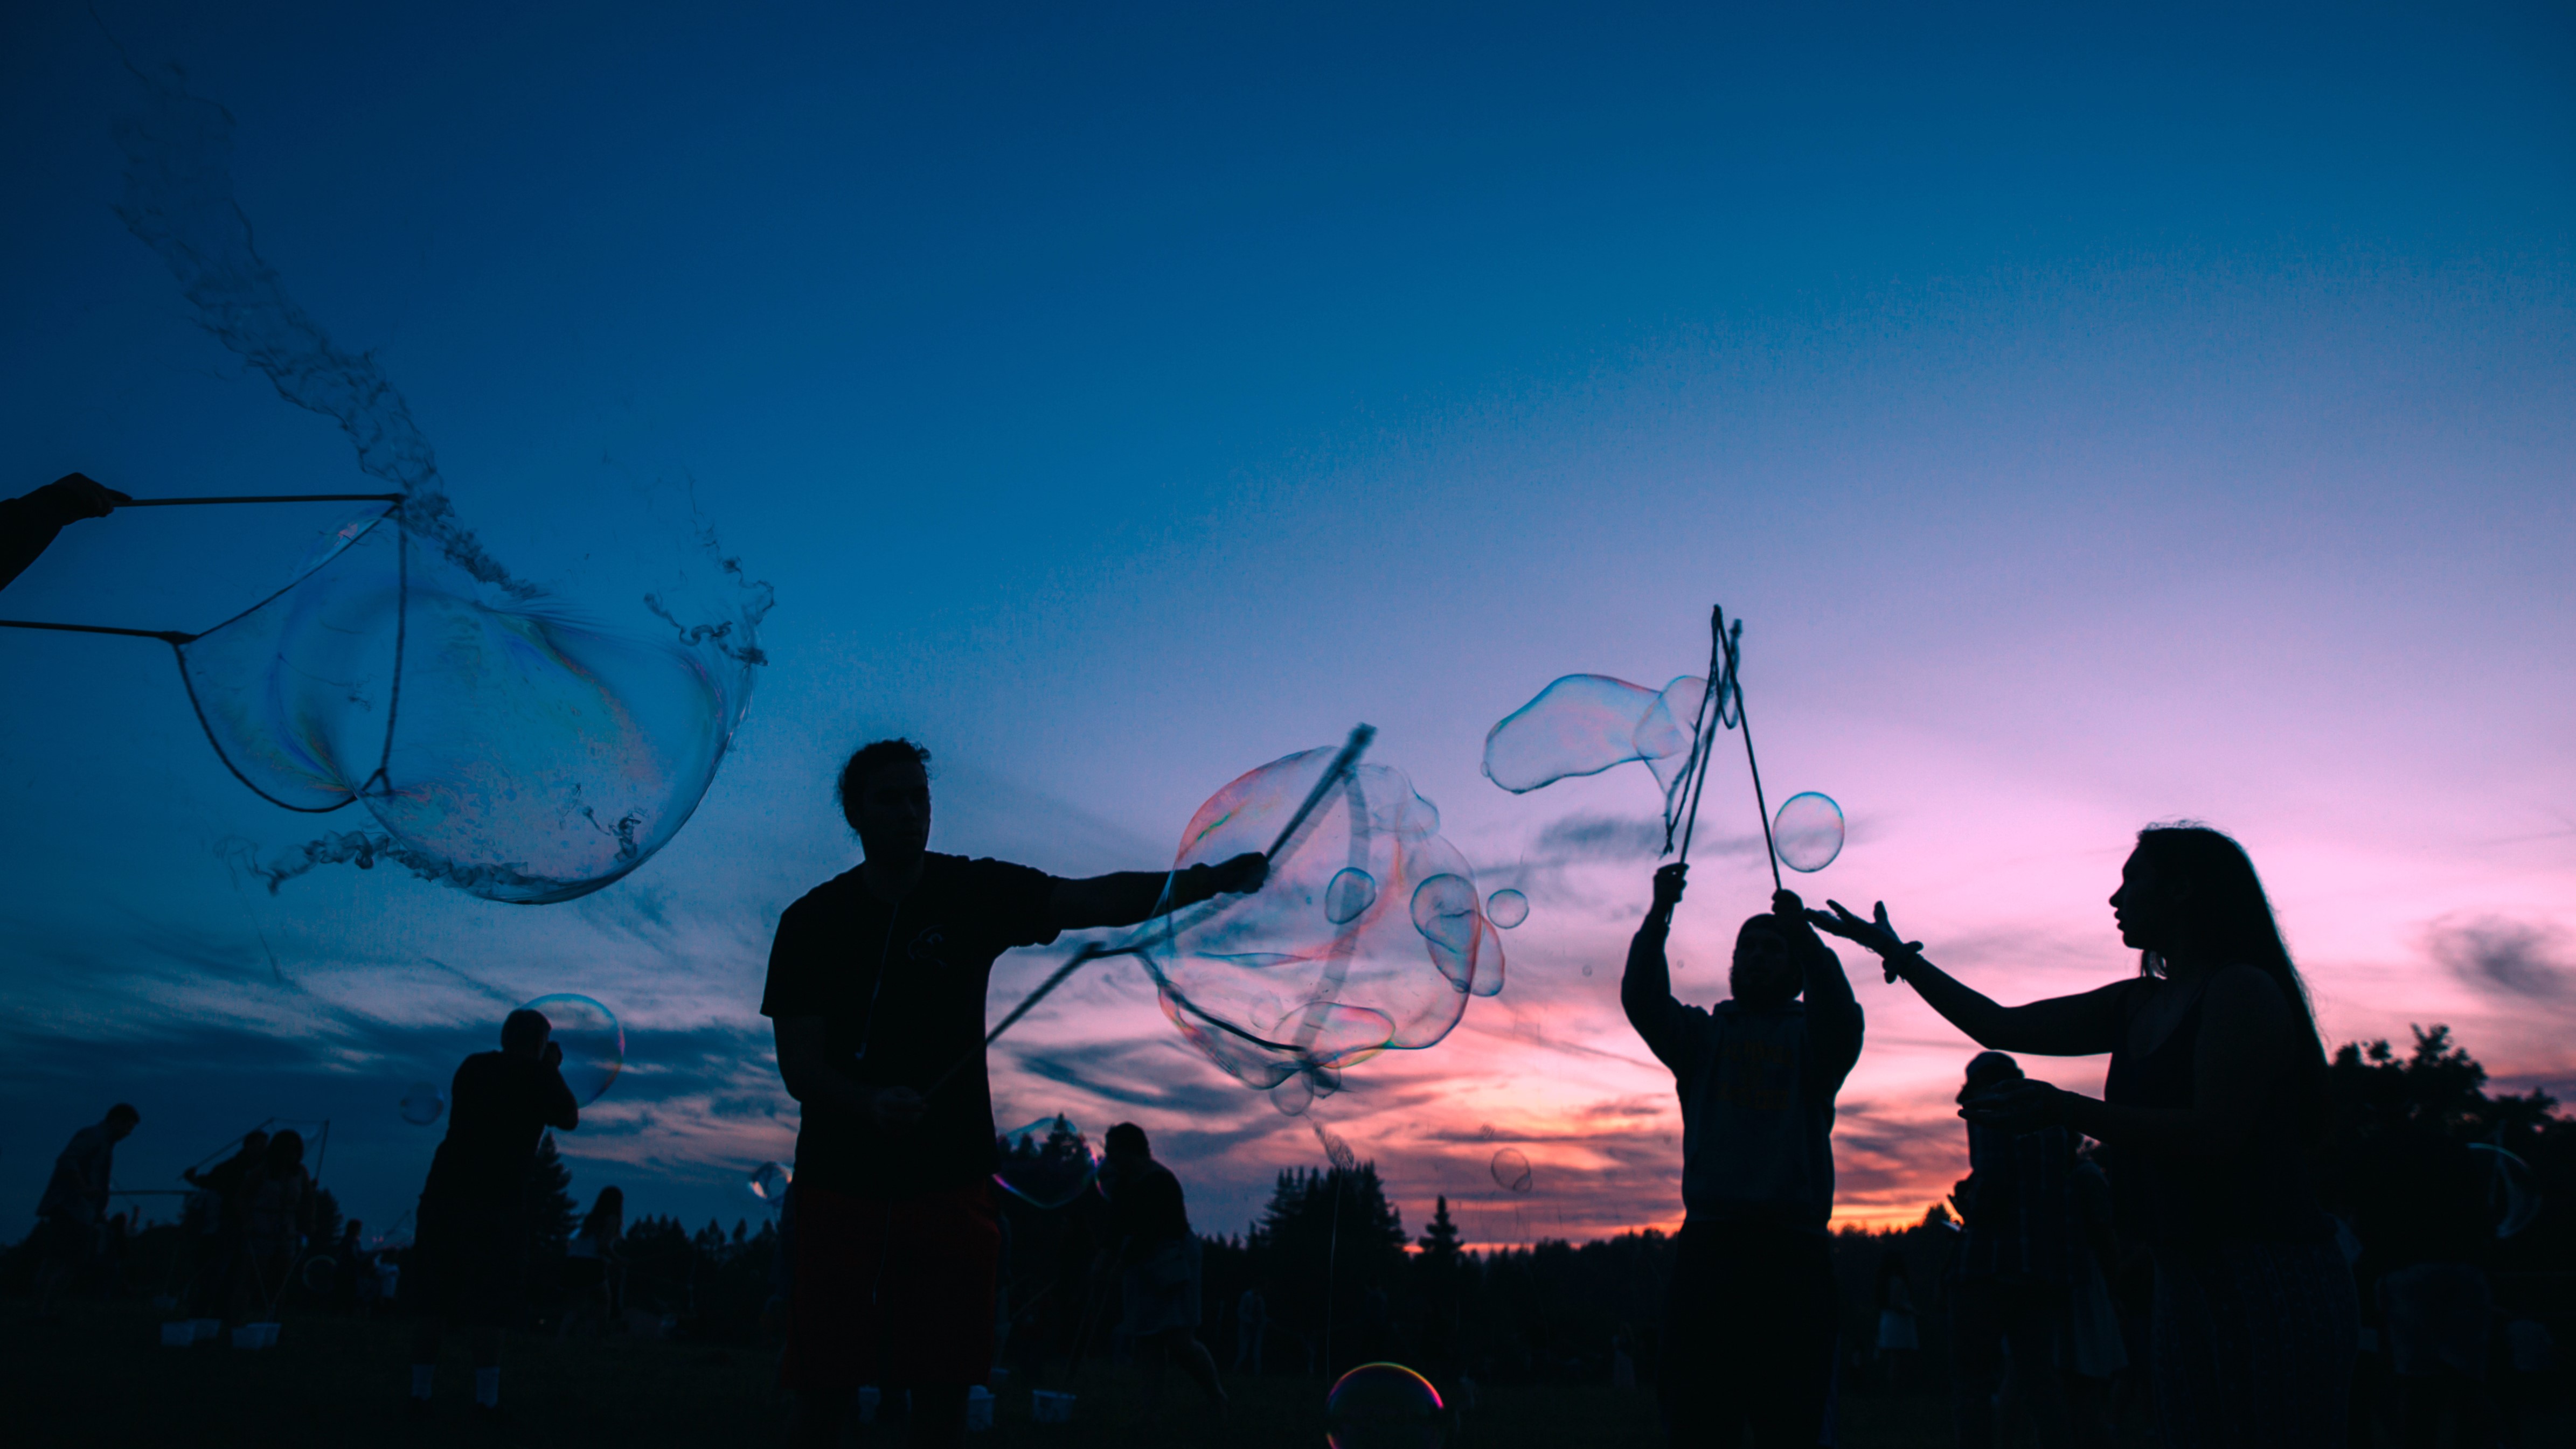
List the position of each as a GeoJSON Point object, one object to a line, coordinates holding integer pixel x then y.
{"type": "Point", "coordinates": [1384, 1406]}
{"type": "Point", "coordinates": [1507, 908]}
{"type": "Point", "coordinates": [1045, 1164]}
{"type": "Point", "coordinates": [1351, 892]}
{"type": "Point", "coordinates": [594, 1045]}
{"type": "Point", "coordinates": [1808, 831]}
{"type": "Point", "coordinates": [422, 1103]}
{"type": "Point", "coordinates": [769, 1181]}
{"type": "Point", "coordinates": [1511, 1168]}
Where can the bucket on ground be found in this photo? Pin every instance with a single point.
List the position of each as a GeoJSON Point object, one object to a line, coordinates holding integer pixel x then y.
{"type": "Point", "coordinates": [178, 1333]}
{"type": "Point", "coordinates": [1049, 1407]}
{"type": "Point", "coordinates": [255, 1335]}
{"type": "Point", "coordinates": [979, 1408]}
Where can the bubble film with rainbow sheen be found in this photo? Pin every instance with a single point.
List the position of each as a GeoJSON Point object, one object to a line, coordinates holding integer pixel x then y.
{"type": "Point", "coordinates": [594, 1045]}
{"type": "Point", "coordinates": [1384, 1406]}
{"type": "Point", "coordinates": [1046, 1163]}
{"type": "Point", "coordinates": [1511, 1169]}
{"type": "Point", "coordinates": [1313, 972]}
{"type": "Point", "coordinates": [1808, 831]}
{"type": "Point", "coordinates": [422, 1103]}
{"type": "Point", "coordinates": [768, 1182]}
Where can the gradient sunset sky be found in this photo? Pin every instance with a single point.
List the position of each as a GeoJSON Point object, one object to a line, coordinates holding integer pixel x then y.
{"type": "Point", "coordinates": [2098, 419]}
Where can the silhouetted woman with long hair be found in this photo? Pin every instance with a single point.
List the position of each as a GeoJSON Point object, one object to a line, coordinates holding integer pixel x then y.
{"type": "Point", "coordinates": [2215, 1095]}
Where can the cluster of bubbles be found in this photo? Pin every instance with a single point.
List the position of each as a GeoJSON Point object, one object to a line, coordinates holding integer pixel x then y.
{"type": "Point", "coordinates": [1511, 1169]}
{"type": "Point", "coordinates": [1047, 1163]}
{"type": "Point", "coordinates": [594, 1045]}
{"type": "Point", "coordinates": [1384, 1406]}
{"type": "Point", "coordinates": [1583, 724]}
{"type": "Point", "coordinates": [503, 740]}
{"type": "Point", "coordinates": [1369, 936]}
{"type": "Point", "coordinates": [421, 1104]}
{"type": "Point", "coordinates": [768, 1182]}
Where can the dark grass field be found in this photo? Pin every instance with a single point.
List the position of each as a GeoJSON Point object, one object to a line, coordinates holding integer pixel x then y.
{"type": "Point", "coordinates": [102, 1378]}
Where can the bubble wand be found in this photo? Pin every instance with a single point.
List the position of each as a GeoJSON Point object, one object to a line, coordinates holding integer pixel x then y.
{"type": "Point", "coordinates": [1724, 658]}
{"type": "Point", "coordinates": [1343, 763]}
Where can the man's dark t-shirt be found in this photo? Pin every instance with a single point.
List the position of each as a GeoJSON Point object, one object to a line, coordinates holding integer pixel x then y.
{"type": "Point", "coordinates": [900, 988]}
{"type": "Point", "coordinates": [498, 1107]}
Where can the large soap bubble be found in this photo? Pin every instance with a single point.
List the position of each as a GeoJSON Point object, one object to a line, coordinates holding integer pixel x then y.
{"type": "Point", "coordinates": [1280, 983]}
{"type": "Point", "coordinates": [1046, 1163]}
{"type": "Point", "coordinates": [504, 740]}
{"type": "Point", "coordinates": [1511, 1169]}
{"type": "Point", "coordinates": [1808, 831]}
{"type": "Point", "coordinates": [1384, 1406]}
{"type": "Point", "coordinates": [422, 1102]}
{"type": "Point", "coordinates": [594, 1045]}
{"type": "Point", "coordinates": [1586, 723]}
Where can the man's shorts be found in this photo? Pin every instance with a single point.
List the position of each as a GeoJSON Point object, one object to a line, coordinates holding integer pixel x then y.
{"type": "Point", "coordinates": [891, 1290]}
{"type": "Point", "coordinates": [465, 1264]}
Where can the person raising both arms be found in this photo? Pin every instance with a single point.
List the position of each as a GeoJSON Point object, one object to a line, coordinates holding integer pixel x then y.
{"type": "Point", "coordinates": [876, 993]}
{"type": "Point", "coordinates": [2216, 1091]}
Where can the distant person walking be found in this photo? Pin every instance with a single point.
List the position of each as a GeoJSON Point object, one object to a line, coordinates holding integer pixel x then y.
{"type": "Point", "coordinates": [1158, 1258]}
{"type": "Point", "coordinates": [2015, 1261]}
{"type": "Point", "coordinates": [1749, 1321]}
{"type": "Point", "coordinates": [277, 1209]}
{"type": "Point", "coordinates": [594, 1269]}
{"type": "Point", "coordinates": [1251, 1316]}
{"type": "Point", "coordinates": [2216, 1091]}
{"type": "Point", "coordinates": [470, 1246]}
{"type": "Point", "coordinates": [218, 1209]}
{"type": "Point", "coordinates": [74, 1206]}
{"type": "Point", "coordinates": [29, 523]}
{"type": "Point", "coordinates": [876, 988]}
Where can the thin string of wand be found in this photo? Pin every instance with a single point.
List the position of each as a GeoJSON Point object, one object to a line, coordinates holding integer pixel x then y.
{"type": "Point", "coordinates": [1352, 749]}
{"type": "Point", "coordinates": [1712, 706]}
{"type": "Point", "coordinates": [1770, 851]}
{"type": "Point", "coordinates": [175, 637]}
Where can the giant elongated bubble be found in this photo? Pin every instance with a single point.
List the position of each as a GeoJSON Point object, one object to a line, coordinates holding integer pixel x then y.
{"type": "Point", "coordinates": [509, 745]}
{"type": "Point", "coordinates": [1305, 976]}
{"type": "Point", "coordinates": [1583, 724]}
{"type": "Point", "coordinates": [503, 739]}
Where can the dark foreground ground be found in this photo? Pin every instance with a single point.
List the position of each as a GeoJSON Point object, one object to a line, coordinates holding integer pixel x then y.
{"type": "Point", "coordinates": [103, 1379]}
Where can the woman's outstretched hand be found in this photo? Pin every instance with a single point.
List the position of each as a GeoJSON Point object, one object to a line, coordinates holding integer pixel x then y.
{"type": "Point", "coordinates": [2024, 1106]}
{"type": "Point", "coordinates": [1877, 935]}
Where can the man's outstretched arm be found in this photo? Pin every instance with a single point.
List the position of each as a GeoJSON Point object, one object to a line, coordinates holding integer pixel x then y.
{"type": "Point", "coordinates": [1128, 897]}
{"type": "Point", "coordinates": [28, 524]}
{"type": "Point", "coordinates": [1833, 1013]}
{"type": "Point", "coordinates": [1646, 988]}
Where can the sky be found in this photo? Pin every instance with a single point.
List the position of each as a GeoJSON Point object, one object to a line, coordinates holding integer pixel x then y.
{"type": "Point", "coordinates": [2096, 418]}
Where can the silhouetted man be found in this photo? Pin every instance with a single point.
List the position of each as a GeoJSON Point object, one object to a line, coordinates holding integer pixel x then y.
{"type": "Point", "coordinates": [1749, 1323]}
{"type": "Point", "coordinates": [74, 1205]}
{"type": "Point", "coordinates": [2016, 1261]}
{"type": "Point", "coordinates": [222, 1184]}
{"type": "Point", "coordinates": [1158, 1262]}
{"type": "Point", "coordinates": [876, 990]}
{"type": "Point", "coordinates": [472, 1229]}
{"type": "Point", "coordinates": [29, 523]}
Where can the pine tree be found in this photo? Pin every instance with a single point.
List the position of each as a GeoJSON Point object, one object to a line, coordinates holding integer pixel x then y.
{"type": "Point", "coordinates": [553, 1216]}
{"type": "Point", "coordinates": [1439, 1242]}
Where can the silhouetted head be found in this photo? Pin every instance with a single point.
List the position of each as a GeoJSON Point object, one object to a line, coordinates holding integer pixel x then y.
{"type": "Point", "coordinates": [1986, 1072]}
{"type": "Point", "coordinates": [254, 1142]}
{"type": "Point", "coordinates": [2189, 893]}
{"type": "Point", "coordinates": [349, 1230]}
{"type": "Point", "coordinates": [607, 1213]}
{"type": "Point", "coordinates": [285, 1152]}
{"type": "Point", "coordinates": [885, 795]}
{"type": "Point", "coordinates": [524, 1033]}
{"type": "Point", "coordinates": [1765, 972]}
{"type": "Point", "coordinates": [121, 1119]}
{"type": "Point", "coordinates": [1891, 1268]}
{"type": "Point", "coordinates": [1125, 1141]}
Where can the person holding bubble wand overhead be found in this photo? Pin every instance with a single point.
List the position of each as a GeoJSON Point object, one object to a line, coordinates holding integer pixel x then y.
{"type": "Point", "coordinates": [2217, 1087]}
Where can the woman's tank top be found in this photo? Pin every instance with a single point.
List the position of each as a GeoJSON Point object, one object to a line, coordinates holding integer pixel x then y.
{"type": "Point", "coordinates": [2260, 1193]}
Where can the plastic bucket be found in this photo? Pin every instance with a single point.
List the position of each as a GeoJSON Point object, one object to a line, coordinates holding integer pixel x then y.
{"type": "Point", "coordinates": [979, 1408]}
{"type": "Point", "coordinates": [255, 1335]}
{"type": "Point", "coordinates": [208, 1329]}
{"type": "Point", "coordinates": [868, 1403]}
{"type": "Point", "coordinates": [1049, 1407]}
{"type": "Point", "coordinates": [179, 1334]}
